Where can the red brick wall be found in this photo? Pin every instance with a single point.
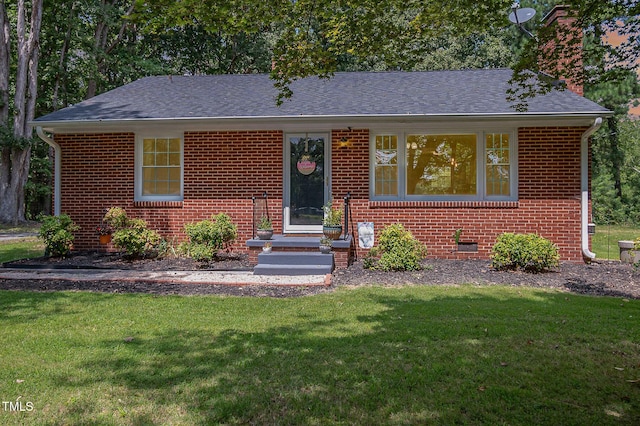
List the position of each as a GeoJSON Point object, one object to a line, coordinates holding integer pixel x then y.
{"type": "Point", "coordinates": [549, 197]}
{"type": "Point", "coordinates": [223, 170]}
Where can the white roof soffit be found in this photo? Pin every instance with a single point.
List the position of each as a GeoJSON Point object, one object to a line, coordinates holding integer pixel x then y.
{"type": "Point", "coordinates": [329, 122]}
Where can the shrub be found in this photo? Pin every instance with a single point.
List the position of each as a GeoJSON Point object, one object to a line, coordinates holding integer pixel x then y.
{"type": "Point", "coordinates": [57, 234]}
{"type": "Point", "coordinates": [116, 217]}
{"type": "Point", "coordinates": [132, 235]}
{"type": "Point", "coordinates": [397, 250]}
{"type": "Point", "coordinates": [529, 252]}
{"type": "Point", "coordinates": [208, 237]}
{"type": "Point", "coordinates": [136, 239]}
{"type": "Point", "coordinates": [636, 251]}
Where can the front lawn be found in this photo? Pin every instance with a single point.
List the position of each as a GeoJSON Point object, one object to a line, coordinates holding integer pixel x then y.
{"type": "Point", "coordinates": [411, 355]}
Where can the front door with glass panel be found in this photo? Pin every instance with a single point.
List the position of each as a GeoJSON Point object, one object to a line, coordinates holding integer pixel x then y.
{"type": "Point", "coordinates": [306, 181]}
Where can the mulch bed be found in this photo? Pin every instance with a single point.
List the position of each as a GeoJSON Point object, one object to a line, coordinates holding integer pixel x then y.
{"type": "Point", "coordinates": [599, 279]}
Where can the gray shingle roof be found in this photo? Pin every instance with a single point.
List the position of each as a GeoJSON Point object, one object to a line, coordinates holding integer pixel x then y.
{"type": "Point", "coordinates": [466, 92]}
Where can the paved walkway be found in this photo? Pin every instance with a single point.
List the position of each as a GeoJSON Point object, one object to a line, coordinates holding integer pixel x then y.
{"type": "Point", "coordinates": [186, 277]}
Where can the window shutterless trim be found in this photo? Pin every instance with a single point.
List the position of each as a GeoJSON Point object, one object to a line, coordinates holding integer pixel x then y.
{"type": "Point", "coordinates": [139, 151]}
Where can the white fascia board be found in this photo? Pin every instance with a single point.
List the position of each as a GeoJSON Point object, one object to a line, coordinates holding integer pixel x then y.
{"type": "Point", "coordinates": [326, 122]}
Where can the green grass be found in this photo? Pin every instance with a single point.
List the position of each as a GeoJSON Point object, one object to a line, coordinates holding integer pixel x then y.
{"type": "Point", "coordinates": [413, 355]}
{"type": "Point", "coordinates": [24, 248]}
{"type": "Point", "coordinates": [605, 242]}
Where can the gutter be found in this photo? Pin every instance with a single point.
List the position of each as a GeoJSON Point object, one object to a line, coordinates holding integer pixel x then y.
{"type": "Point", "coordinates": [57, 173]}
{"type": "Point", "coordinates": [587, 254]}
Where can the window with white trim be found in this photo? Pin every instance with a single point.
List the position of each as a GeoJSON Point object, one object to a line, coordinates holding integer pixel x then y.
{"type": "Point", "coordinates": [443, 166]}
{"type": "Point", "coordinates": [159, 167]}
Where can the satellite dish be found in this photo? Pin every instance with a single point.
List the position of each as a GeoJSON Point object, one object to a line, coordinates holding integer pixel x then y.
{"type": "Point", "coordinates": [520, 16]}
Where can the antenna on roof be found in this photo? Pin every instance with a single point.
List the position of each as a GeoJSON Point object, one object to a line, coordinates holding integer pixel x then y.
{"type": "Point", "coordinates": [520, 16]}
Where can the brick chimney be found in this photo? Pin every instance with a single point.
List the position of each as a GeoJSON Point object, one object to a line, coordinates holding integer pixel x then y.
{"type": "Point", "coordinates": [563, 45]}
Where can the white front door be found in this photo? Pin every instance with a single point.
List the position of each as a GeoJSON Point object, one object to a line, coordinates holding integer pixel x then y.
{"type": "Point", "coordinates": [306, 181]}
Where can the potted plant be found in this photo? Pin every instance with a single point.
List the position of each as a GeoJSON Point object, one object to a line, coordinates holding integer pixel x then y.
{"type": "Point", "coordinates": [265, 228]}
{"type": "Point", "coordinates": [332, 222]}
{"type": "Point", "coordinates": [325, 245]}
{"type": "Point", "coordinates": [266, 248]}
{"type": "Point", "coordinates": [104, 232]}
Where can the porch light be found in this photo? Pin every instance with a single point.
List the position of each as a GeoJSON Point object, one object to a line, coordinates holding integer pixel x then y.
{"type": "Point", "coordinates": [344, 143]}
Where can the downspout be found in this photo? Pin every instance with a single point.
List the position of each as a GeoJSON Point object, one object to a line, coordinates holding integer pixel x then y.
{"type": "Point", "coordinates": [56, 169]}
{"type": "Point", "coordinates": [587, 254]}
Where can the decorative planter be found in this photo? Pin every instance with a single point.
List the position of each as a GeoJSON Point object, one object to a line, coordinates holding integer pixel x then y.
{"type": "Point", "coordinates": [333, 232]}
{"type": "Point", "coordinates": [325, 249]}
{"type": "Point", "coordinates": [467, 246]}
{"type": "Point", "coordinates": [266, 249]}
{"type": "Point", "coordinates": [627, 253]}
{"type": "Point", "coordinates": [265, 234]}
{"type": "Point", "coordinates": [105, 239]}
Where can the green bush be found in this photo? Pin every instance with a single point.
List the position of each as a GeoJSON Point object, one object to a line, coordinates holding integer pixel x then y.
{"type": "Point", "coordinates": [208, 237]}
{"type": "Point", "coordinates": [636, 250]}
{"type": "Point", "coordinates": [132, 235]}
{"type": "Point", "coordinates": [116, 217]}
{"type": "Point", "coordinates": [529, 252]}
{"type": "Point", "coordinates": [136, 239]}
{"type": "Point", "coordinates": [397, 250]}
{"type": "Point", "coordinates": [57, 234]}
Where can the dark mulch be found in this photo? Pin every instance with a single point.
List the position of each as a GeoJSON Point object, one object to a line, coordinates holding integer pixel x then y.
{"type": "Point", "coordinates": [600, 279]}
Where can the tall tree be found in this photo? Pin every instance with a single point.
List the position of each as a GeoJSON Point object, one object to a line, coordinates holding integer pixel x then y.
{"type": "Point", "coordinates": [16, 136]}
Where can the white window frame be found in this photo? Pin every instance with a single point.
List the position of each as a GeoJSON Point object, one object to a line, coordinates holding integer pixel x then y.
{"type": "Point", "coordinates": [481, 190]}
{"type": "Point", "coordinates": [139, 163]}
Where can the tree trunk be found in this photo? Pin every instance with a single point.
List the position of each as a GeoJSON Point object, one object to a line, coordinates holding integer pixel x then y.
{"type": "Point", "coordinates": [14, 161]}
{"type": "Point", "coordinates": [4, 65]}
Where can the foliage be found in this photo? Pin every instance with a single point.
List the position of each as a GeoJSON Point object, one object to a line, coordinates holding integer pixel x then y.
{"type": "Point", "coordinates": [116, 217]}
{"type": "Point", "coordinates": [616, 182]}
{"type": "Point", "coordinates": [207, 237]}
{"type": "Point", "coordinates": [529, 252]}
{"type": "Point", "coordinates": [636, 251]}
{"type": "Point", "coordinates": [326, 241]}
{"type": "Point", "coordinates": [265, 223]}
{"type": "Point", "coordinates": [132, 235]}
{"type": "Point", "coordinates": [38, 187]}
{"type": "Point", "coordinates": [332, 216]}
{"type": "Point", "coordinates": [57, 234]}
{"type": "Point", "coordinates": [397, 250]}
{"type": "Point", "coordinates": [136, 239]}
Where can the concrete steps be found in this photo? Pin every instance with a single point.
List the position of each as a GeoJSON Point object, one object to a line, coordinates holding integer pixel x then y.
{"type": "Point", "coordinates": [294, 263]}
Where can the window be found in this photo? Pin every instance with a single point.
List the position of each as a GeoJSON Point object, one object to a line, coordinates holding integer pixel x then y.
{"type": "Point", "coordinates": [386, 164]}
{"type": "Point", "coordinates": [159, 169]}
{"type": "Point", "coordinates": [443, 166]}
{"type": "Point", "coordinates": [498, 174]}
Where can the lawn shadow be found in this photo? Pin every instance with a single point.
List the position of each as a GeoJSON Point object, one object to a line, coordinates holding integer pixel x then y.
{"type": "Point", "coordinates": [19, 307]}
{"type": "Point", "coordinates": [476, 359]}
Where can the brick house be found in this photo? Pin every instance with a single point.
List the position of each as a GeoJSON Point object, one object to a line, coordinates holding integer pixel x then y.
{"type": "Point", "coordinates": [437, 151]}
